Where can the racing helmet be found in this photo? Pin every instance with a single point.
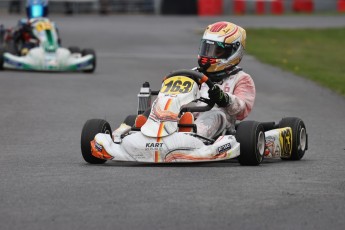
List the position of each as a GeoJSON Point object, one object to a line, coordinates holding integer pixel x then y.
{"type": "Point", "coordinates": [36, 8]}
{"type": "Point", "coordinates": [221, 49]}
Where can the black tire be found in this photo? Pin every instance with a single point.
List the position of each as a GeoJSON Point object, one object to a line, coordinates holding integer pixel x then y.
{"type": "Point", "coordinates": [251, 136]}
{"type": "Point", "coordinates": [130, 120]}
{"type": "Point", "coordinates": [2, 35]}
{"type": "Point", "coordinates": [299, 137]}
{"type": "Point", "coordinates": [90, 129]}
{"type": "Point", "coordinates": [74, 49]}
{"type": "Point", "coordinates": [94, 61]}
{"type": "Point", "coordinates": [2, 51]}
{"type": "Point", "coordinates": [12, 48]}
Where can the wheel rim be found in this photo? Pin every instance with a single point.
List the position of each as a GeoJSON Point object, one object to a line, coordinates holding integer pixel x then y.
{"type": "Point", "coordinates": [302, 139]}
{"type": "Point", "coordinates": [261, 144]}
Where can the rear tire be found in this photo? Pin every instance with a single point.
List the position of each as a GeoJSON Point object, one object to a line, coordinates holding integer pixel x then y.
{"type": "Point", "coordinates": [74, 49]}
{"type": "Point", "coordinates": [2, 36]}
{"type": "Point", "coordinates": [251, 136]}
{"type": "Point", "coordinates": [94, 62]}
{"type": "Point", "coordinates": [2, 51]}
{"type": "Point", "coordinates": [10, 47]}
{"type": "Point", "coordinates": [90, 129]}
{"type": "Point", "coordinates": [299, 137]}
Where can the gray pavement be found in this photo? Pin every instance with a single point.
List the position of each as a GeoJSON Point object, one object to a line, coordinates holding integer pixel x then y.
{"type": "Point", "coordinates": [45, 184]}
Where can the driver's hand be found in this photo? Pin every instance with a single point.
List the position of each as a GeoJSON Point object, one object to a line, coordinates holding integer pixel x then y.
{"type": "Point", "coordinates": [218, 96]}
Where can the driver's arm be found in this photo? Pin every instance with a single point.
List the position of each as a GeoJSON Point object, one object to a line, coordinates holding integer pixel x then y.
{"type": "Point", "coordinates": [243, 97]}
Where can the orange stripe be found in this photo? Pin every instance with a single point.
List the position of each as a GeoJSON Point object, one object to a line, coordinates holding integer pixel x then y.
{"type": "Point", "coordinates": [167, 105]}
{"type": "Point", "coordinates": [176, 156]}
{"type": "Point", "coordinates": [160, 131]}
{"type": "Point", "coordinates": [157, 156]}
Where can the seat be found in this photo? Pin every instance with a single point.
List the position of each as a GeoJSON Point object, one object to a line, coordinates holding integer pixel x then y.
{"type": "Point", "coordinates": [186, 122]}
{"type": "Point", "coordinates": [140, 121]}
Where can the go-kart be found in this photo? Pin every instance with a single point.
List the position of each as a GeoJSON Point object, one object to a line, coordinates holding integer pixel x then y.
{"type": "Point", "coordinates": [165, 136]}
{"type": "Point", "coordinates": [47, 55]}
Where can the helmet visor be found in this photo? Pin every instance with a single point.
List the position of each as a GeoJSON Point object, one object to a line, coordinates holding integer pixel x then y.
{"type": "Point", "coordinates": [35, 11]}
{"type": "Point", "coordinates": [219, 50]}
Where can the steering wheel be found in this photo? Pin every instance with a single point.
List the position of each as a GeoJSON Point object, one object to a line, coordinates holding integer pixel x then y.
{"type": "Point", "coordinates": [199, 78]}
{"type": "Point", "coordinates": [194, 75]}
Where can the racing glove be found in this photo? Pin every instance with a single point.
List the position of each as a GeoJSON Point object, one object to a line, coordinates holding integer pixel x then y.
{"type": "Point", "coordinates": [218, 96]}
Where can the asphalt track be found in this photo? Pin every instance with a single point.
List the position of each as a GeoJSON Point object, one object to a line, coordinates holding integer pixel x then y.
{"type": "Point", "coordinates": [45, 184]}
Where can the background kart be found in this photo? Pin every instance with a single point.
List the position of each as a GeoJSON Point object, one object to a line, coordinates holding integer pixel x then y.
{"type": "Point", "coordinates": [48, 55]}
{"type": "Point", "coordinates": [164, 138]}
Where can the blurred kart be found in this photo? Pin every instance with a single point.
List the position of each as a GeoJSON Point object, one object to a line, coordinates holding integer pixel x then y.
{"type": "Point", "coordinates": [47, 55]}
{"type": "Point", "coordinates": [167, 134]}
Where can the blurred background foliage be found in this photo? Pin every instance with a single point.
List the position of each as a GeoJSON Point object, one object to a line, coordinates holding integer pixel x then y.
{"type": "Point", "coordinates": [317, 54]}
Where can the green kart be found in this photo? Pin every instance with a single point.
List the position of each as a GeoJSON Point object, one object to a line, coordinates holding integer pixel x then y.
{"type": "Point", "coordinates": [48, 55]}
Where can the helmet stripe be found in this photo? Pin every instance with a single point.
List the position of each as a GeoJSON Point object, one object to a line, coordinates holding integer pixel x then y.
{"type": "Point", "coordinates": [218, 26]}
{"type": "Point", "coordinates": [231, 33]}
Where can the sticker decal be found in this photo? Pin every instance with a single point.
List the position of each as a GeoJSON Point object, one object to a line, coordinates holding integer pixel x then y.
{"type": "Point", "coordinates": [177, 85]}
{"type": "Point", "coordinates": [285, 139]}
{"type": "Point", "coordinates": [98, 147]}
{"type": "Point", "coordinates": [224, 148]}
{"type": "Point", "coordinates": [154, 146]}
{"type": "Point", "coordinates": [272, 148]}
{"type": "Point", "coordinates": [43, 26]}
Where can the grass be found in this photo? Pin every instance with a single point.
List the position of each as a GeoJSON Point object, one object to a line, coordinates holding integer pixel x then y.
{"type": "Point", "coordinates": [317, 54]}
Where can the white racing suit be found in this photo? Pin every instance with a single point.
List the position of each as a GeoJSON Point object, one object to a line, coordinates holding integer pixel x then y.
{"type": "Point", "coordinates": [241, 89]}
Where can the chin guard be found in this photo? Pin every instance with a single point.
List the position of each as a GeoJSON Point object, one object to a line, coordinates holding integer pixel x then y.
{"type": "Point", "coordinates": [204, 64]}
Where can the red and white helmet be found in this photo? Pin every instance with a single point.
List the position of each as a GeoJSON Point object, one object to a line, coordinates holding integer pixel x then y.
{"type": "Point", "coordinates": [222, 47]}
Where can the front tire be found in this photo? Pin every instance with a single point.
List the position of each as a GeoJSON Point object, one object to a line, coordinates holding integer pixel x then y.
{"type": "Point", "coordinates": [2, 51]}
{"type": "Point", "coordinates": [94, 61]}
{"type": "Point", "coordinates": [299, 137]}
{"type": "Point", "coordinates": [90, 129]}
{"type": "Point", "coordinates": [251, 136]}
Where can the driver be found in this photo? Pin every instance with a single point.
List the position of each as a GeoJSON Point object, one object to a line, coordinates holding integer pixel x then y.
{"type": "Point", "coordinates": [23, 35]}
{"type": "Point", "coordinates": [221, 50]}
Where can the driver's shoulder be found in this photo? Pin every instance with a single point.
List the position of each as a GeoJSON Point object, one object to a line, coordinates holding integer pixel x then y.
{"type": "Point", "coordinates": [239, 73]}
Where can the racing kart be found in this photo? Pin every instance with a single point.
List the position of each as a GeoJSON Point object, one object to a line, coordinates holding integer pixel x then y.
{"type": "Point", "coordinates": [166, 137]}
{"type": "Point", "coordinates": [47, 55]}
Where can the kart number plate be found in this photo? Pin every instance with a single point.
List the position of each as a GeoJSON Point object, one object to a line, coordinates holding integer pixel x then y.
{"type": "Point", "coordinates": [43, 26]}
{"type": "Point", "coordinates": [177, 85]}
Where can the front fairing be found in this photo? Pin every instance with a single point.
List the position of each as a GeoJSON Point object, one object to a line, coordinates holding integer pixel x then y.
{"type": "Point", "coordinates": [48, 56]}
{"type": "Point", "coordinates": [176, 92]}
{"type": "Point", "coordinates": [39, 59]}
